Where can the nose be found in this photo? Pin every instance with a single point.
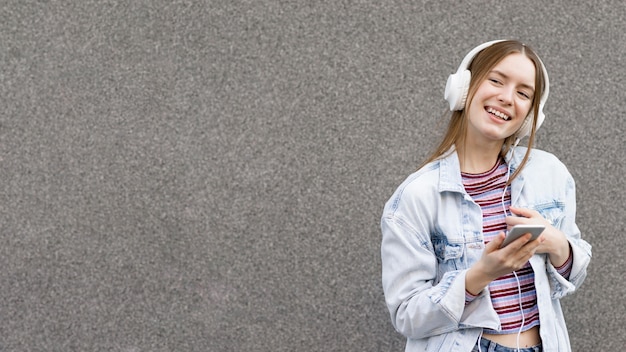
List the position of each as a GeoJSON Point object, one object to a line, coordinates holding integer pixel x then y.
{"type": "Point", "coordinates": [506, 95]}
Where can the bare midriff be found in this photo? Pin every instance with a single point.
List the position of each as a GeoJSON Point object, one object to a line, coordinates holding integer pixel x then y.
{"type": "Point", "coordinates": [527, 338]}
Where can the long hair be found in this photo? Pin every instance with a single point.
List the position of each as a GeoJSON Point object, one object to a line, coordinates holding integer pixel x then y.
{"type": "Point", "coordinates": [480, 67]}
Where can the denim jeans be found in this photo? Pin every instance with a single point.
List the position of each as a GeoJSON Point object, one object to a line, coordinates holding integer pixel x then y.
{"type": "Point", "coordinates": [490, 346]}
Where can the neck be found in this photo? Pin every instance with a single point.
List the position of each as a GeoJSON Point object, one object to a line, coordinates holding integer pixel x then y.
{"type": "Point", "coordinates": [478, 158]}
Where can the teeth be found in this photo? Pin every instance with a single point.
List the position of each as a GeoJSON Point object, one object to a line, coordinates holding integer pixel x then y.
{"type": "Point", "coordinates": [498, 113]}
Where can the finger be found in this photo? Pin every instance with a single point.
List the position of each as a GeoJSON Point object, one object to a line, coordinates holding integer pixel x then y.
{"type": "Point", "coordinates": [495, 243]}
{"type": "Point", "coordinates": [536, 242]}
{"type": "Point", "coordinates": [525, 212]}
{"type": "Point", "coordinates": [515, 220]}
{"type": "Point", "coordinates": [522, 241]}
{"type": "Point", "coordinates": [530, 248]}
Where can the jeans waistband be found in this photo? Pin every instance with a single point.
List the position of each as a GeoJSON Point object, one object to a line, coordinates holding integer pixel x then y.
{"type": "Point", "coordinates": [490, 346]}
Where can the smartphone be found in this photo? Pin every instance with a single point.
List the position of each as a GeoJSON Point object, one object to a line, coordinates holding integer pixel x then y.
{"type": "Point", "coordinates": [519, 230]}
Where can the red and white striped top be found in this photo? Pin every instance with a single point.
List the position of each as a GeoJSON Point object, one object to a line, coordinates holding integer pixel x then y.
{"type": "Point", "coordinates": [487, 189]}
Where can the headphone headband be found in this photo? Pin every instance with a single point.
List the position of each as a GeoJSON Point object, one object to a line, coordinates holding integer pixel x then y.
{"type": "Point", "coordinates": [457, 88]}
{"type": "Point", "coordinates": [467, 60]}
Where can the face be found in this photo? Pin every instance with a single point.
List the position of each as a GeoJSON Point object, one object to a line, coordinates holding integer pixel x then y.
{"type": "Point", "coordinates": [503, 100]}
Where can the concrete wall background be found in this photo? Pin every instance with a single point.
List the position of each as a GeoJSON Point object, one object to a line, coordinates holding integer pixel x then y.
{"type": "Point", "coordinates": [209, 176]}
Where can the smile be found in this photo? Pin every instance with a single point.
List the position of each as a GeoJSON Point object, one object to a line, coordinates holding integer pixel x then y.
{"type": "Point", "coordinates": [499, 114]}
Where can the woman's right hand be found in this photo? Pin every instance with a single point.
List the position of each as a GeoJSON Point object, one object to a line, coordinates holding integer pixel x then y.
{"type": "Point", "coordinates": [496, 262]}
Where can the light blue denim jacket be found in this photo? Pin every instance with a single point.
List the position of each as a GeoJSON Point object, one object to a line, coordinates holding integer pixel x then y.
{"type": "Point", "coordinates": [431, 235]}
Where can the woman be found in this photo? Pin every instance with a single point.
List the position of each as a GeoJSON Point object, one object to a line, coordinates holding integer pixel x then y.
{"type": "Point", "coordinates": [448, 285]}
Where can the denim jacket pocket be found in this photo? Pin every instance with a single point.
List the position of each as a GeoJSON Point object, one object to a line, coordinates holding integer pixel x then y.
{"type": "Point", "coordinates": [446, 251]}
{"type": "Point", "coordinates": [449, 254]}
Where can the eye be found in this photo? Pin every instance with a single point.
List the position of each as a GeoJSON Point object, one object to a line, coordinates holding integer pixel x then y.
{"type": "Point", "coordinates": [524, 95]}
{"type": "Point", "coordinates": [494, 80]}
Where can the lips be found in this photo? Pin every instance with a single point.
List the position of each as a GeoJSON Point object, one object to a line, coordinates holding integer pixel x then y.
{"type": "Point", "coordinates": [498, 114]}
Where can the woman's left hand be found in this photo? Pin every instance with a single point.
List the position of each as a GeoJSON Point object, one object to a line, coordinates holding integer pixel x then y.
{"type": "Point", "coordinates": [555, 243]}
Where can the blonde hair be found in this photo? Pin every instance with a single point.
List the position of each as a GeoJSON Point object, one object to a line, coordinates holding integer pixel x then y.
{"type": "Point", "coordinates": [480, 67]}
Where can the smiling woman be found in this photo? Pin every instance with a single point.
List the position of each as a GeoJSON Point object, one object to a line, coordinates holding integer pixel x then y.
{"type": "Point", "coordinates": [474, 70]}
{"type": "Point", "coordinates": [499, 106]}
{"type": "Point", "coordinates": [448, 284]}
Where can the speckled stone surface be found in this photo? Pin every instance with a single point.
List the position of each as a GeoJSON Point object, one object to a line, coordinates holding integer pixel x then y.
{"type": "Point", "coordinates": [209, 176]}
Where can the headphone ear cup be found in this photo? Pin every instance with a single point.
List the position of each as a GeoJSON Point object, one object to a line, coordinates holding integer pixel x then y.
{"type": "Point", "coordinates": [527, 127]}
{"type": "Point", "coordinates": [457, 88]}
{"type": "Point", "coordinates": [540, 118]}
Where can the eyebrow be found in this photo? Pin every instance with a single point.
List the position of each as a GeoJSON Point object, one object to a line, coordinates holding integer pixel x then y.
{"type": "Point", "coordinates": [506, 76]}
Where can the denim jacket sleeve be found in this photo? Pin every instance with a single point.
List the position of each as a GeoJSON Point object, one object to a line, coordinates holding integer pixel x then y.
{"type": "Point", "coordinates": [422, 299]}
{"type": "Point", "coordinates": [546, 186]}
{"type": "Point", "coordinates": [581, 250]}
{"type": "Point", "coordinates": [419, 306]}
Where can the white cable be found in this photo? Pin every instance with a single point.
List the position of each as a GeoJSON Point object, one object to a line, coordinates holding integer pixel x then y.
{"type": "Point", "coordinates": [508, 175]}
{"type": "Point", "coordinates": [519, 287]}
{"type": "Point", "coordinates": [521, 308]}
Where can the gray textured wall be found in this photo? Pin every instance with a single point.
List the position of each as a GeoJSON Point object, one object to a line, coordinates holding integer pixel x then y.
{"type": "Point", "coordinates": [209, 176]}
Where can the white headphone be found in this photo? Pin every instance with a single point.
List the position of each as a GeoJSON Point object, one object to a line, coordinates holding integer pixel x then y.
{"type": "Point", "coordinates": [457, 88]}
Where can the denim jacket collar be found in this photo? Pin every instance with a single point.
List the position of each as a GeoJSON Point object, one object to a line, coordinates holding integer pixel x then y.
{"type": "Point", "coordinates": [450, 179]}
